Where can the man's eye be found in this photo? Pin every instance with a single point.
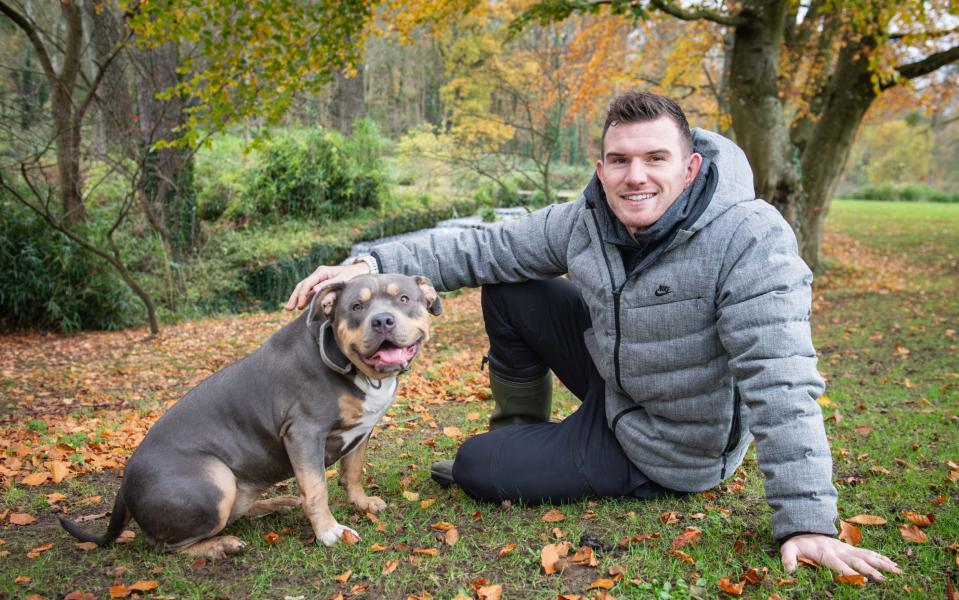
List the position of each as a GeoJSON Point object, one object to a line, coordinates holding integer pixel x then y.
{"type": "Point", "coordinates": [404, 299]}
{"type": "Point", "coordinates": [656, 158]}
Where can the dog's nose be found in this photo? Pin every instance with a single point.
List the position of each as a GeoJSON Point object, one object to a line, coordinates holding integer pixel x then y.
{"type": "Point", "coordinates": [383, 323]}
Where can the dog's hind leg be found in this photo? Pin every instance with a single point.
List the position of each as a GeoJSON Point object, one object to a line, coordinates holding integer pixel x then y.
{"type": "Point", "coordinates": [278, 504]}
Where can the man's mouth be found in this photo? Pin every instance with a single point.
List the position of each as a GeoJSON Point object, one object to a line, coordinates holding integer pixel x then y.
{"type": "Point", "coordinates": [638, 197]}
{"type": "Point", "coordinates": [390, 357]}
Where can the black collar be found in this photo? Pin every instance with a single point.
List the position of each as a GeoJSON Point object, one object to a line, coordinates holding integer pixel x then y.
{"type": "Point", "coordinates": [330, 351]}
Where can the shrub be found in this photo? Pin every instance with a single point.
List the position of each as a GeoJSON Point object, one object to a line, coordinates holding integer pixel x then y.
{"type": "Point", "coordinates": [313, 178]}
{"type": "Point", "coordinates": [48, 282]}
{"type": "Point", "coordinates": [910, 192]}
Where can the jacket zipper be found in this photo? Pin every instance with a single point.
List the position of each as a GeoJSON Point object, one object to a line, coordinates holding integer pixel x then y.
{"type": "Point", "coordinates": [733, 431]}
{"type": "Point", "coordinates": [616, 294]}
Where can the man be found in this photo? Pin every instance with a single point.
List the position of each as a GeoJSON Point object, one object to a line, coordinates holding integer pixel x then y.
{"type": "Point", "coordinates": [683, 329]}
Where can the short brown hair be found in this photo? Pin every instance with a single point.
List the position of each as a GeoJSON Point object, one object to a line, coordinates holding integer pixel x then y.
{"type": "Point", "coordinates": [635, 107]}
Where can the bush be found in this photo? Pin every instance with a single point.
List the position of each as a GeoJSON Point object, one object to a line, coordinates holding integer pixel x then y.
{"type": "Point", "coordinates": [48, 282]}
{"type": "Point", "coordinates": [910, 192]}
{"type": "Point", "coordinates": [311, 178]}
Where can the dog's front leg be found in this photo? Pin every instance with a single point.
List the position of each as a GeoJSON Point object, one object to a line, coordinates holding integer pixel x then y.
{"type": "Point", "coordinates": [306, 451]}
{"type": "Point", "coordinates": [351, 480]}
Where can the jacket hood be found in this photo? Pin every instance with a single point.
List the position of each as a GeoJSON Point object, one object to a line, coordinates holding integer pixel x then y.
{"type": "Point", "coordinates": [734, 183]}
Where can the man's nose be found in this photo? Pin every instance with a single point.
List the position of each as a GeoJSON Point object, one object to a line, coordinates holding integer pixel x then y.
{"type": "Point", "coordinates": [636, 172]}
{"type": "Point", "coordinates": [383, 323]}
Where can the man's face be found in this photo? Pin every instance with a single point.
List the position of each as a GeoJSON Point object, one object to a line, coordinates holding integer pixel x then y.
{"type": "Point", "coordinates": [644, 169]}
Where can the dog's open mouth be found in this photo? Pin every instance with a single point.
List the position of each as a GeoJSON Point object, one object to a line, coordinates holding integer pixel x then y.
{"type": "Point", "coordinates": [390, 357]}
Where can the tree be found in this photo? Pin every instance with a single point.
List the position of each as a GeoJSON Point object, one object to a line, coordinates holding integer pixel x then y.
{"type": "Point", "coordinates": [801, 78]}
{"type": "Point", "coordinates": [509, 99]}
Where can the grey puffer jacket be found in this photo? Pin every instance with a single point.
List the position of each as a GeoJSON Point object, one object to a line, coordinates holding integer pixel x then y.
{"type": "Point", "coordinates": [702, 351]}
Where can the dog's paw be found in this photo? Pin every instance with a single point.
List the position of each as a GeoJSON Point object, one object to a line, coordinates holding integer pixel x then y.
{"type": "Point", "coordinates": [373, 504]}
{"type": "Point", "coordinates": [333, 534]}
{"type": "Point", "coordinates": [230, 544]}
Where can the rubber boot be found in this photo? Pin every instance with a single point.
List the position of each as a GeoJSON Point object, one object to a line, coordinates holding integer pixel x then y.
{"type": "Point", "coordinates": [520, 398]}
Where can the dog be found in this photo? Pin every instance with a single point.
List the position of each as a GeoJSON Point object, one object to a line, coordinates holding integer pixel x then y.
{"type": "Point", "coordinates": [308, 397]}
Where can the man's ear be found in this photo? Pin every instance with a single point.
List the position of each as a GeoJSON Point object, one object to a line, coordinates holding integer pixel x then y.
{"type": "Point", "coordinates": [693, 163]}
{"type": "Point", "coordinates": [324, 300]}
{"type": "Point", "coordinates": [432, 298]}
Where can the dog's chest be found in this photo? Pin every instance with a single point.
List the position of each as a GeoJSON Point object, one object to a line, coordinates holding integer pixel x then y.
{"type": "Point", "coordinates": [376, 398]}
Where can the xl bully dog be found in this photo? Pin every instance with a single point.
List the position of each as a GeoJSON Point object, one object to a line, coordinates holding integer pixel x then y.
{"type": "Point", "coordinates": [305, 399]}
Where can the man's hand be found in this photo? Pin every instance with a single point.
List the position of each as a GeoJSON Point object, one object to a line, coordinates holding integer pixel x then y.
{"type": "Point", "coordinates": [320, 278]}
{"type": "Point", "coordinates": [840, 557]}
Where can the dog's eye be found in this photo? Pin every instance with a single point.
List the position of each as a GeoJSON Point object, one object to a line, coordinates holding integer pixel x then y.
{"type": "Point", "coordinates": [404, 299]}
{"type": "Point", "coordinates": [357, 306]}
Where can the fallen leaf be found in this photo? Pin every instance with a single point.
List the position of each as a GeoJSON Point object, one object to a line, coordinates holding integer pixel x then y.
{"type": "Point", "coordinates": [687, 537]}
{"type": "Point", "coordinates": [144, 585]}
{"type": "Point", "coordinates": [22, 579]}
{"type": "Point", "coordinates": [939, 500]}
{"type": "Point", "coordinates": [786, 581]}
{"type": "Point", "coordinates": [507, 549]}
{"type": "Point", "coordinates": [39, 550]}
{"type": "Point", "coordinates": [86, 546]}
{"type": "Point", "coordinates": [35, 479]}
{"type": "Point", "coordinates": [426, 551]}
{"type": "Point", "coordinates": [602, 584]}
{"type": "Point", "coordinates": [584, 557]}
{"type": "Point", "coordinates": [849, 533]}
{"type": "Point", "coordinates": [452, 432]}
{"type": "Point", "coordinates": [551, 557]}
{"type": "Point", "coordinates": [119, 591]}
{"type": "Point", "coordinates": [22, 519]}
{"type": "Point", "coordinates": [669, 517]}
{"type": "Point", "coordinates": [349, 538]}
{"type": "Point", "coordinates": [473, 416]}
{"type": "Point", "coordinates": [754, 576]}
{"type": "Point", "coordinates": [411, 496]}
{"type": "Point", "coordinates": [919, 520]}
{"type": "Point", "coordinates": [452, 536]}
{"type": "Point", "coordinates": [867, 520]}
{"type": "Point", "coordinates": [344, 576]}
{"type": "Point", "coordinates": [739, 547]}
{"type": "Point", "coordinates": [272, 537]}
{"type": "Point", "coordinates": [476, 516]}
{"type": "Point", "coordinates": [489, 592]}
{"type": "Point", "coordinates": [913, 534]}
{"type": "Point", "coordinates": [638, 538]}
{"type": "Point", "coordinates": [90, 500]}
{"type": "Point", "coordinates": [856, 580]}
{"type": "Point", "coordinates": [389, 567]}
{"type": "Point", "coordinates": [557, 533]}
{"type": "Point", "coordinates": [377, 547]}
{"type": "Point", "coordinates": [78, 595]}
{"type": "Point", "coordinates": [54, 498]}
{"type": "Point", "coordinates": [443, 526]}
{"type": "Point", "coordinates": [359, 588]}
{"type": "Point", "coordinates": [59, 471]}
{"type": "Point", "coordinates": [808, 561]}
{"type": "Point", "coordinates": [427, 503]}
{"type": "Point", "coordinates": [685, 557]}
{"type": "Point", "coordinates": [733, 589]}
{"type": "Point", "coordinates": [825, 402]}
{"type": "Point", "coordinates": [553, 516]}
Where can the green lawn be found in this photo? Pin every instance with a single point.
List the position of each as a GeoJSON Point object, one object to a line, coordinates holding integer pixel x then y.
{"type": "Point", "coordinates": [886, 323]}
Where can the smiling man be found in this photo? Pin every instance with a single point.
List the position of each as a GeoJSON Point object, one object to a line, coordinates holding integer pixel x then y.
{"type": "Point", "coordinates": [683, 328]}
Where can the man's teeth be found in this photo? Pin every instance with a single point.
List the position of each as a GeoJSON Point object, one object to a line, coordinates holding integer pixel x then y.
{"type": "Point", "coordinates": [638, 197]}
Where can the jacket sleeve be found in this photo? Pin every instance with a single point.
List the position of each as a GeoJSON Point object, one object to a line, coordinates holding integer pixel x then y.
{"type": "Point", "coordinates": [763, 318]}
{"type": "Point", "coordinates": [531, 247]}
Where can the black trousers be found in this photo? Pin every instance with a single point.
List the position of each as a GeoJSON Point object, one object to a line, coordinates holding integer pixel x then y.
{"type": "Point", "coordinates": [533, 326]}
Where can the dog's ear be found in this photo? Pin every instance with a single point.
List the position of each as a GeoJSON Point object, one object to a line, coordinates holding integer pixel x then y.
{"type": "Point", "coordinates": [325, 301]}
{"type": "Point", "coordinates": [432, 298]}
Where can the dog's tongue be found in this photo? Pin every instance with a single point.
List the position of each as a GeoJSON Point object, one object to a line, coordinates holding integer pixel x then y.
{"type": "Point", "coordinates": [391, 356]}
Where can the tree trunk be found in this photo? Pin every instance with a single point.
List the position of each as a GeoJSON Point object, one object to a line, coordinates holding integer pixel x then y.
{"type": "Point", "coordinates": [167, 189]}
{"type": "Point", "coordinates": [66, 128]}
{"type": "Point", "coordinates": [114, 100]}
{"type": "Point", "coordinates": [348, 104]}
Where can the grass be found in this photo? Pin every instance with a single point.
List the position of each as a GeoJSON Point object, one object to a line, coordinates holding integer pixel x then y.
{"type": "Point", "coordinates": [885, 323]}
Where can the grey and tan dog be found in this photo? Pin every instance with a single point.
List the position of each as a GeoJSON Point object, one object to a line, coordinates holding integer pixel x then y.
{"type": "Point", "coordinates": [307, 398]}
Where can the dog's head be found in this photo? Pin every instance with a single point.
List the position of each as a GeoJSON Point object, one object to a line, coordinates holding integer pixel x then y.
{"type": "Point", "coordinates": [379, 321]}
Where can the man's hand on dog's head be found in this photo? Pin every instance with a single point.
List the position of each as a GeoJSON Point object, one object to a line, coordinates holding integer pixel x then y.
{"type": "Point", "coordinates": [320, 278]}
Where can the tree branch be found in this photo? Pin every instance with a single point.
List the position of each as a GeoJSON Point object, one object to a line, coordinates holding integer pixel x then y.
{"type": "Point", "coordinates": [922, 34]}
{"type": "Point", "coordinates": [34, 37]}
{"type": "Point", "coordinates": [669, 8]}
{"type": "Point", "coordinates": [925, 66]}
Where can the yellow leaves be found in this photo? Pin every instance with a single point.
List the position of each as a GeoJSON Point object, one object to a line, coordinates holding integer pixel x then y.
{"type": "Point", "coordinates": [411, 496]}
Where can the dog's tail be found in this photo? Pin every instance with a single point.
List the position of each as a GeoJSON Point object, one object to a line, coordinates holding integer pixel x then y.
{"type": "Point", "coordinates": [118, 520]}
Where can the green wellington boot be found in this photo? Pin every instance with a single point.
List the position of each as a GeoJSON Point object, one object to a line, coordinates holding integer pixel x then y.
{"type": "Point", "coordinates": [520, 402]}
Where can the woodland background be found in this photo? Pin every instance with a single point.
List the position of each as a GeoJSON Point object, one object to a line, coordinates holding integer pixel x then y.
{"type": "Point", "coordinates": [169, 171]}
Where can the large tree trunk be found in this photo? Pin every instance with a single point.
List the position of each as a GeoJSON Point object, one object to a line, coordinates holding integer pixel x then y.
{"type": "Point", "coordinates": [66, 128]}
{"type": "Point", "coordinates": [757, 110]}
{"type": "Point", "coordinates": [114, 99]}
{"type": "Point", "coordinates": [348, 102]}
